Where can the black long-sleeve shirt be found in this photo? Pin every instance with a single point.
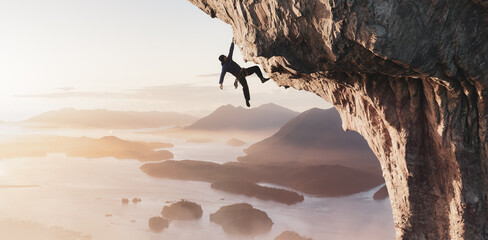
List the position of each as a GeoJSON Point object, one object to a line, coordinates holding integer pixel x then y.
{"type": "Point", "coordinates": [229, 65]}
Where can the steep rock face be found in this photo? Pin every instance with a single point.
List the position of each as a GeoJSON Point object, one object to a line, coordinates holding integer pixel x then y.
{"type": "Point", "coordinates": [410, 76]}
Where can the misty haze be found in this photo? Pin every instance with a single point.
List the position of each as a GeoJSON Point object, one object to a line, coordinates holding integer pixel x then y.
{"type": "Point", "coordinates": [121, 120]}
{"type": "Point", "coordinates": [71, 183]}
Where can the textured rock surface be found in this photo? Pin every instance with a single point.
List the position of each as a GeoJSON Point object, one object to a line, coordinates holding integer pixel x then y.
{"type": "Point", "coordinates": [410, 76]}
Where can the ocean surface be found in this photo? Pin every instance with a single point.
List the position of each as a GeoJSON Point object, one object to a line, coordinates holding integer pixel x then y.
{"type": "Point", "coordinates": [84, 195]}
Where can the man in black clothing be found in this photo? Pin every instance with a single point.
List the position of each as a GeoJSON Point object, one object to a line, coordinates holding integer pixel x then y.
{"type": "Point", "coordinates": [228, 65]}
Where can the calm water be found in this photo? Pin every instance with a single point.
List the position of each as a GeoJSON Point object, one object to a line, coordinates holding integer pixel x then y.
{"type": "Point", "coordinates": [77, 193]}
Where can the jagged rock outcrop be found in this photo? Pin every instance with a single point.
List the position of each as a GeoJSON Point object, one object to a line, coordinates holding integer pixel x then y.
{"type": "Point", "coordinates": [410, 76]}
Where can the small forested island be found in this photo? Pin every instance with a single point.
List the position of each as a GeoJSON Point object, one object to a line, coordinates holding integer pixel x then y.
{"type": "Point", "coordinates": [242, 219]}
{"type": "Point", "coordinates": [182, 210]}
{"type": "Point", "coordinates": [158, 224]}
{"type": "Point", "coordinates": [234, 142]}
{"type": "Point", "coordinates": [290, 235]}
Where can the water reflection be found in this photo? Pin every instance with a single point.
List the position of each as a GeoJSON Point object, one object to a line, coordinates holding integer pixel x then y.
{"type": "Point", "coordinates": [79, 194]}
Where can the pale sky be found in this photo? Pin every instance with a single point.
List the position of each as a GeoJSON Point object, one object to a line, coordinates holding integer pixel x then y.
{"type": "Point", "coordinates": [146, 55]}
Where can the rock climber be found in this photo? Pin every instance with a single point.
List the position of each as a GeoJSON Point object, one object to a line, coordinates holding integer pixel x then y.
{"type": "Point", "coordinates": [228, 65]}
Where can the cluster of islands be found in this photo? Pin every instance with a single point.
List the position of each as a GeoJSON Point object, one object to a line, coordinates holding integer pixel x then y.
{"type": "Point", "coordinates": [304, 154]}
{"type": "Point", "coordinates": [235, 219]}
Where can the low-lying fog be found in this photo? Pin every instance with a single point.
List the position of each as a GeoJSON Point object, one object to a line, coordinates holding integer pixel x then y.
{"type": "Point", "coordinates": [62, 197]}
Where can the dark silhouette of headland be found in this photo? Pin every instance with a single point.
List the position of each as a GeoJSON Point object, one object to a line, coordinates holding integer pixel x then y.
{"type": "Point", "coordinates": [319, 180]}
{"type": "Point", "coordinates": [254, 190]}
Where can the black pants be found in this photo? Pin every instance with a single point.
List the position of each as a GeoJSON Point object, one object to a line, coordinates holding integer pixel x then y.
{"type": "Point", "coordinates": [242, 79]}
{"type": "Point", "coordinates": [252, 70]}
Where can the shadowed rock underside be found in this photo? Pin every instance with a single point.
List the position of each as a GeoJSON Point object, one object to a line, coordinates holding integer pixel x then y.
{"type": "Point", "coordinates": [410, 76]}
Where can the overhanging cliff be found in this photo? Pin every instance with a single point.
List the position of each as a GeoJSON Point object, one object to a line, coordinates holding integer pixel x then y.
{"type": "Point", "coordinates": [410, 76]}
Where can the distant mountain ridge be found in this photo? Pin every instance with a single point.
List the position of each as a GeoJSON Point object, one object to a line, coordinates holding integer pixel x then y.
{"type": "Point", "coordinates": [228, 117]}
{"type": "Point", "coordinates": [87, 147]}
{"type": "Point", "coordinates": [101, 118]}
{"type": "Point", "coordinates": [315, 136]}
